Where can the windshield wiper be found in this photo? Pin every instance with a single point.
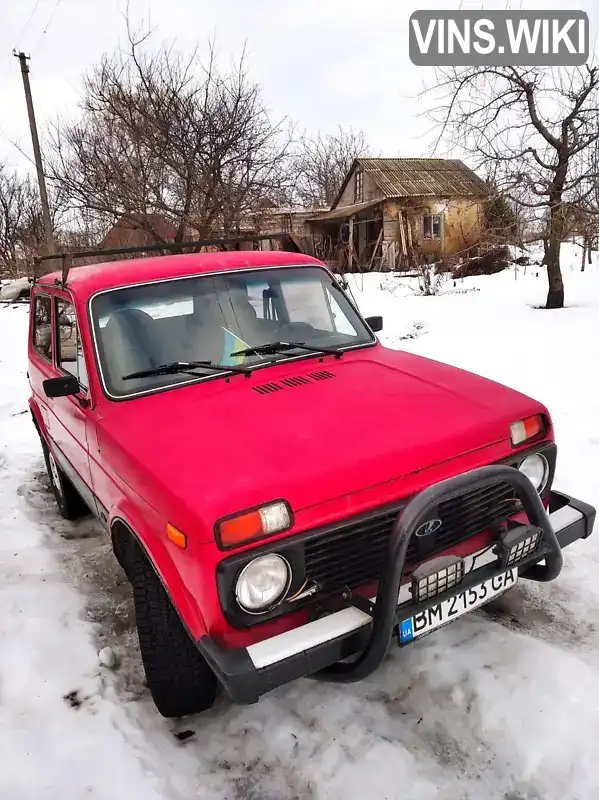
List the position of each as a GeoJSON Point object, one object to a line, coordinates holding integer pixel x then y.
{"type": "Point", "coordinates": [185, 366]}
{"type": "Point", "coordinates": [281, 347]}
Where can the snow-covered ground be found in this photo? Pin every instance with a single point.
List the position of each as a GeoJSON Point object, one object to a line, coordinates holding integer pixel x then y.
{"type": "Point", "coordinates": [502, 704]}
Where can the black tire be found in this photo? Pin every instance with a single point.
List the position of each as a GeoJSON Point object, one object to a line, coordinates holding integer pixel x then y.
{"type": "Point", "coordinates": [70, 503]}
{"type": "Point", "coordinates": [179, 679]}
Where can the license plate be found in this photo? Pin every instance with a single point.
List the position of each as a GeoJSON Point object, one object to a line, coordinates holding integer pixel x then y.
{"type": "Point", "coordinates": [442, 613]}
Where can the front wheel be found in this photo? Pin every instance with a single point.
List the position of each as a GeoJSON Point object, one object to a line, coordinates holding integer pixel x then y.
{"type": "Point", "coordinates": [179, 679]}
{"type": "Point", "coordinates": [70, 503]}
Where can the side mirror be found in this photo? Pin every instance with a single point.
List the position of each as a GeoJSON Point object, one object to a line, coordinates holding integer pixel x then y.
{"type": "Point", "coordinates": [375, 323]}
{"type": "Point", "coordinates": [61, 387]}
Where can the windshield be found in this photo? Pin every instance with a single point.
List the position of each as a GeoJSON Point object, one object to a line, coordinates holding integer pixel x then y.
{"type": "Point", "coordinates": [210, 318]}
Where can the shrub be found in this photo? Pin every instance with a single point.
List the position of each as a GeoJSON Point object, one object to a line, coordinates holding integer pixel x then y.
{"type": "Point", "coordinates": [494, 260]}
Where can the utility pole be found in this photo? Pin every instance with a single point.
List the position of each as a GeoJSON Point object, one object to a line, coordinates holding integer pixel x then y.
{"type": "Point", "coordinates": [50, 243]}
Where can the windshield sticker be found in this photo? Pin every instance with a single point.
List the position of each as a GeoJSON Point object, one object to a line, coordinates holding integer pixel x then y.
{"type": "Point", "coordinates": [232, 343]}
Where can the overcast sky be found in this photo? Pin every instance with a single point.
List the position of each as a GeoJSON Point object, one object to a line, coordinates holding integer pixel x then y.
{"type": "Point", "coordinates": [320, 62]}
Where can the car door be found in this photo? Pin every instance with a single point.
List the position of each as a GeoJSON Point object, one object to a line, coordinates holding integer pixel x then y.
{"type": "Point", "coordinates": [69, 417]}
{"type": "Point", "coordinates": [41, 351]}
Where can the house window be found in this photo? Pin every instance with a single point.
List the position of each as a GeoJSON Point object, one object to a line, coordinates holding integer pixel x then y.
{"type": "Point", "coordinates": [431, 226]}
{"type": "Point", "coordinates": [42, 330]}
{"type": "Point", "coordinates": [70, 354]}
{"type": "Point", "coordinates": [359, 193]}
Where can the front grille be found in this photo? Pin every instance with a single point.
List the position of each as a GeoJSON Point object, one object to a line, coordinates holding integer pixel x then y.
{"type": "Point", "coordinates": [354, 554]}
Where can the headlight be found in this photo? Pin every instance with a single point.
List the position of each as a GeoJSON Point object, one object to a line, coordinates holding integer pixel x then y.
{"type": "Point", "coordinates": [262, 582]}
{"type": "Point", "coordinates": [536, 469]}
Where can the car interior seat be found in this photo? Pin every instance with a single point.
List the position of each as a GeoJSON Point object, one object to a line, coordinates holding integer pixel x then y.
{"type": "Point", "coordinates": [203, 337]}
{"type": "Point", "coordinates": [130, 344]}
{"type": "Point", "coordinates": [252, 328]}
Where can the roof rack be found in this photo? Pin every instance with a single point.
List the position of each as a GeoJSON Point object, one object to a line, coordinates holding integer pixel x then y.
{"type": "Point", "coordinates": [228, 244]}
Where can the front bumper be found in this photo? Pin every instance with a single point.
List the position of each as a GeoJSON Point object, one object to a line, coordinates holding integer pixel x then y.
{"type": "Point", "coordinates": [320, 646]}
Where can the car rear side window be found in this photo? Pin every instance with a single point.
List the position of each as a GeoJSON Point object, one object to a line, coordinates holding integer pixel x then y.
{"type": "Point", "coordinates": [42, 326]}
{"type": "Point", "coordinates": [69, 351]}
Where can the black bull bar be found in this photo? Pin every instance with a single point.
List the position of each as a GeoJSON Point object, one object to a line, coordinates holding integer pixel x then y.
{"type": "Point", "coordinates": [412, 516]}
{"type": "Point", "coordinates": [246, 673]}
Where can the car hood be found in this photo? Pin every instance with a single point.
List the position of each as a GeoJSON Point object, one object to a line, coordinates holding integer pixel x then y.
{"type": "Point", "coordinates": [307, 431]}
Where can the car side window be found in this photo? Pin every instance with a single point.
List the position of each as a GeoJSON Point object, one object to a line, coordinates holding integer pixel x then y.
{"type": "Point", "coordinates": [69, 350]}
{"type": "Point", "coordinates": [42, 326]}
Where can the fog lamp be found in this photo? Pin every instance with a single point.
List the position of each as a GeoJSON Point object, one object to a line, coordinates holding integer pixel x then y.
{"type": "Point", "coordinates": [518, 543]}
{"type": "Point", "coordinates": [436, 576]}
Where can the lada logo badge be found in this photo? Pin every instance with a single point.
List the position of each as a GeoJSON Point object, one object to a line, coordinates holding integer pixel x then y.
{"type": "Point", "coordinates": [425, 536]}
{"type": "Point", "coordinates": [428, 528]}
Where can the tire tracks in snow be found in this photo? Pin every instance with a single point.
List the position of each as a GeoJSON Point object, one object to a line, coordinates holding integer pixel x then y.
{"type": "Point", "coordinates": [232, 770]}
{"type": "Point", "coordinates": [408, 725]}
{"type": "Point", "coordinates": [529, 612]}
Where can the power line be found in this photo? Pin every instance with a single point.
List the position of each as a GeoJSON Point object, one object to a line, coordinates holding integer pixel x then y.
{"type": "Point", "coordinates": [26, 25]}
{"type": "Point", "coordinates": [20, 36]}
{"type": "Point", "coordinates": [47, 26]}
{"type": "Point", "coordinates": [16, 146]}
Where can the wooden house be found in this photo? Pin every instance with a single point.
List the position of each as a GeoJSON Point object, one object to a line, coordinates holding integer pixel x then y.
{"type": "Point", "coordinates": [393, 213]}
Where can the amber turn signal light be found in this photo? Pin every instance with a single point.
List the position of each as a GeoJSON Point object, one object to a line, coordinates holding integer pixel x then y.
{"type": "Point", "coordinates": [176, 536]}
{"type": "Point", "coordinates": [253, 524]}
{"type": "Point", "coordinates": [526, 429]}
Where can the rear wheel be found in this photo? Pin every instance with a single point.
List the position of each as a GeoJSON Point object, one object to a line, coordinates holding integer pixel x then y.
{"type": "Point", "coordinates": [70, 503]}
{"type": "Point", "coordinates": [179, 679]}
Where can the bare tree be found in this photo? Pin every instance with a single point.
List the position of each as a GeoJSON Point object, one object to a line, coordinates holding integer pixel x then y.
{"type": "Point", "coordinates": [11, 191]}
{"type": "Point", "coordinates": [165, 136]}
{"type": "Point", "coordinates": [531, 130]}
{"type": "Point", "coordinates": [80, 231]}
{"type": "Point", "coordinates": [22, 232]}
{"type": "Point", "coordinates": [588, 215]}
{"type": "Point", "coordinates": [502, 223]}
{"type": "Point", "coordinates": [323, 162]}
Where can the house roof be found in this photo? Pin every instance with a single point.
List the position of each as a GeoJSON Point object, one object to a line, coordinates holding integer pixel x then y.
{"type": "Point", "coordinates": [344, 212]}
{"type": "Point", "coordinates": [132, 228]}
{"type": "Point", "coordinates": [417, 177]}
{"type": "Point", "coordinates": [276, 211]}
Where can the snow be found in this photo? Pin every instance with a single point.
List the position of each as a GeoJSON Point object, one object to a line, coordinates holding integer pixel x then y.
{"type": "Point", "coordinates": [107, 658]}
{"type": "Point", "coordinates": [13, 289]}
{"type": "Point", "coordinates": [504, 703]}
{"type": "Point", "coordinates": [48, 748]}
